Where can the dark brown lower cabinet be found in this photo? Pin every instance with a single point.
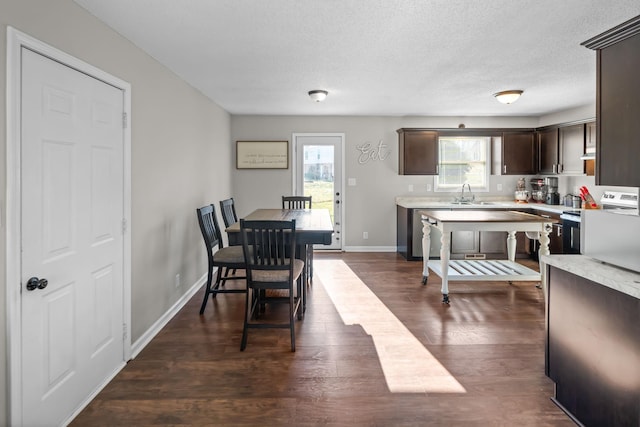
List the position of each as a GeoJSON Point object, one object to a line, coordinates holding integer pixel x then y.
{"type": "Point", "coordinates": [404, 232]}
{"type": "Point", "coordinates": [593, 350]}
{"type": "Point", "coordinates": [409, 234]}
{"type": "Point", "coordinates": [492, 244]}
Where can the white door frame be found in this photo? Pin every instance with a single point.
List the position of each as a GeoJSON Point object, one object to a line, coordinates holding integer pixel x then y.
{"type": "Point", "coordinates": [294, 170]}
{"type": "Point", "coordinates": [16, 40]}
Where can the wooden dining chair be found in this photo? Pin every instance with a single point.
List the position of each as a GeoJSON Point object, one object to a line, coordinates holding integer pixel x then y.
{"type": "Point", "coordinates": [273, 275]}
{"type": "Point", "coordinates": [228, 210]}
{"type": "Point", "coordinates": [230, 257]}
{"type": "Point", "coordinates": [229, 216]}
{"type": "Point", "coordinates": [296, 202]}
{"type": "Point", "coordinates": [301, 202]}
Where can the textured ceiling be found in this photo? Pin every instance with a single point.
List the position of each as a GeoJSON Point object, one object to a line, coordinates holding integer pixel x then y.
{"type": "Point", "coordinates": [375, 57]}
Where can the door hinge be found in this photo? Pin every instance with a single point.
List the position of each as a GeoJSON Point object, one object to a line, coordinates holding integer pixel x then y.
{"type": "Point", "coordinates": [124, 120]}
{"type": "Point", "coordinates": [124, 226]}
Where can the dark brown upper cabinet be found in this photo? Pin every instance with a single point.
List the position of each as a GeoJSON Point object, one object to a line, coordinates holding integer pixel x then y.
{"type": "Point", "coordinates": [518, 153]}
{"type": "Point", "coordinates": [548, 158]}
{"type": "Point", "coordinates": [418, 152]}
{"type": "Point", "coordinates": [550, 150]}
{"type": "Point", "coordinates": [560, 149]}
{"type": "Point", "coordinates": [590, 148]}
{"type": "Point", "coordinates": [618, 104]}
{"type": "Point", "coordinates": [571, 146]}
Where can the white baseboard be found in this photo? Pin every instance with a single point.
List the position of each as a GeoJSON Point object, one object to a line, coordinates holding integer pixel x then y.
{"type": "Point", "coordinates": [146, 338]}
{"type": "Point", "coordinates": [370, 248]}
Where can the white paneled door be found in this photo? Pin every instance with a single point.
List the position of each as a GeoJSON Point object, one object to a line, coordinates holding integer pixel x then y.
{"type": "Point", "coordinates": [71, 238]}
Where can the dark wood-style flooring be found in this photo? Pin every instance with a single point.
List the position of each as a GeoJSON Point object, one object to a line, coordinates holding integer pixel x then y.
{"type": "Point", "coordinates": [489, 342]}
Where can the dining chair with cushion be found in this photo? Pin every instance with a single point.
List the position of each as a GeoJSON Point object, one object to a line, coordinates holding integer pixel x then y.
{"type": "Point", "coordinates": [273, 275]}
{"type": "Point", "coordinates": [228, 210]}
{"type": "Point", "coordinates": [301, 202]}
{"type": "Point", "coordinates": [296, 202]}
{"type": "Point", "coordinates": [231, 257]}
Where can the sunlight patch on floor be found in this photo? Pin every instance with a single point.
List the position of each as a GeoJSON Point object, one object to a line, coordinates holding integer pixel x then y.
{"type": "Point", "coordinates": [407, 365]}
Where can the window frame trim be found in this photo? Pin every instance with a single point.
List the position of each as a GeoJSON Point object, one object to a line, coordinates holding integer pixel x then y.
{"type": "Point", "coordinates": [438, 188]}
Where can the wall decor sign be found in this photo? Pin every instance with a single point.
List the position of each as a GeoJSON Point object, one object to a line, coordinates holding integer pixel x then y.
{"type": "Point", "coordinates": [262, 154]}
{"type": "Point", "coordinates": [370, 152]}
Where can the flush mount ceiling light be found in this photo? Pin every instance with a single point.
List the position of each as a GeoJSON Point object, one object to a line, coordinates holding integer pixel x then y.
{"type": "Point", "coordinates": [318, 95]}
{"type": "Point", "coordinates": [508, 96]}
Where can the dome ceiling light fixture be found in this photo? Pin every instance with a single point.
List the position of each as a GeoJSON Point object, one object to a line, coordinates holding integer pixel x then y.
{"type": "Point", "coordinates": [508, 96]}
{"type": "Point", "coordinates": [318, 95]}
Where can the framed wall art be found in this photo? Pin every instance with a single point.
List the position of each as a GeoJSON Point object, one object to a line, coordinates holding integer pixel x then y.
{"type": "Point", "coordinates": [262, 154]}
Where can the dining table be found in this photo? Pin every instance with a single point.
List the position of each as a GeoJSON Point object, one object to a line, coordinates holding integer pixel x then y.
{"type": "Point", "coordinates": [313, 227]}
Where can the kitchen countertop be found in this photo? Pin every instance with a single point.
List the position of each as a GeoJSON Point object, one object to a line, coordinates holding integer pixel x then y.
{"type": "Point", "coordinates": [434, 202]}
{"type": "Point", "coordinates": [619, 279]}
{"type": "Point", "coordinates": [625, 281]}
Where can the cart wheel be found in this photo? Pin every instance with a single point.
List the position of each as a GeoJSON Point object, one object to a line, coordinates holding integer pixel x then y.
{"type": "Point", "coordinates": [445, 299]}
{"type": "Point", "coordinates": [424, 280]}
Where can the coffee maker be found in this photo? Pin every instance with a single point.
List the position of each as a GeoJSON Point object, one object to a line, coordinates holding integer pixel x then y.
{"type": "Point", "coordinates": [553, 197]}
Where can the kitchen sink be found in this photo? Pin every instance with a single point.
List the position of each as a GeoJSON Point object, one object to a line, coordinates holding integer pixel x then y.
{"type": "Point", "coordinates": [474, 203]}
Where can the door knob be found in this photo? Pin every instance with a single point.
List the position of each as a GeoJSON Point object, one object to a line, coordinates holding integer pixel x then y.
{"type": "Point", "coordinates": [35, 283]}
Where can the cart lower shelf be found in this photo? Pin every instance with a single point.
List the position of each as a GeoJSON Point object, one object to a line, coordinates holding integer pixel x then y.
{"type": "Point", "coordinates": [485, 270]}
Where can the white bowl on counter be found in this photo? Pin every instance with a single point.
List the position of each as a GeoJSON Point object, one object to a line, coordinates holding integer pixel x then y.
{"type": "Point", "coordinates": [522, 196]}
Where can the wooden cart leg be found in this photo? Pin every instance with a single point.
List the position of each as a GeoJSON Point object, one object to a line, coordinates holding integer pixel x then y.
{"type": "Point", "coordinates": [444, 260]}
{"type": "Point", "coordinates": [544, 250]}
{"type": "Point", "coordinates": [426, 247]}
{"type": "Point", "coordinates": [511, 245]}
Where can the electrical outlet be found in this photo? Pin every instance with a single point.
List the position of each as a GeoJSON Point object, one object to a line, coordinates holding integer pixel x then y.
{"type": "Point", "coordinates": [499, 187]}
{"type": "Point", "coordinates": [365, 235]}
{"type": "Point", "coordinates": [351, 182]}
{"type": "Point", "coordinates": [177, 280]}
{"type": "Point", "coordinates": [410, 187]}
{"type": "Point", "coordinates": [428, 187]}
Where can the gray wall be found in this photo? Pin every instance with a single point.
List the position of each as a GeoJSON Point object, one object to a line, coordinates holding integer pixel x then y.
{"type": "Point", "coordinates": [183, 155]}
{"type": "Point", "coordinates": [369, 205]}
{"type": "Point", "coordinates": [180, 157]}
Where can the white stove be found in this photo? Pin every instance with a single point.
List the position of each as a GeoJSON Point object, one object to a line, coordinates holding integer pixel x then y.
{"type": "Point", "coordinates": [619, 200]}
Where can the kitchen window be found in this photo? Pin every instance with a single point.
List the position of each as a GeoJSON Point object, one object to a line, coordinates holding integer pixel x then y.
{"type": "Point", "coordinates": [463, 160]}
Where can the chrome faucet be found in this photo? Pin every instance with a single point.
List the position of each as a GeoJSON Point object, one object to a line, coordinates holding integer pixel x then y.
{"type": "Point", "coordinates": [462, 198]}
